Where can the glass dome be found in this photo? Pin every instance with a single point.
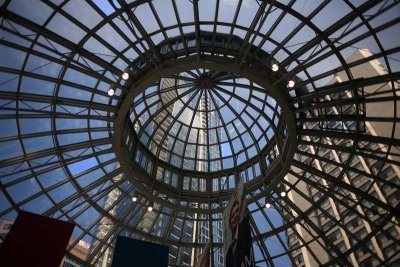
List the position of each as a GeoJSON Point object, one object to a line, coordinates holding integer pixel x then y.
{"type": "Point", "coordinates": [203, 107]}
{"type": "Point", "coordinates": [205, 120]}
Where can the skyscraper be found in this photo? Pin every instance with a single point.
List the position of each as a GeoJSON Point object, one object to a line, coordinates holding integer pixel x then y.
{"type": "Point", "coordinates": [170, 105]}
{"type": "Point", "coordinates": [104, 256]}
{"type": "Point", "coordinates": [343, 226]}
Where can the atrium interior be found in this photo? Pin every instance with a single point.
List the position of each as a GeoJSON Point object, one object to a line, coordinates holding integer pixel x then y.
{"type": "Point", "coordinates": [141, 118]}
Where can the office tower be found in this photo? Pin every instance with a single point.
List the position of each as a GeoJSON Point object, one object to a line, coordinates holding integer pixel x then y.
{"type": "Point", "coordinates": [351, 227]}
{"type": "Point", "coordinates": [171, 104]}
{"type": "Point", "coordinates": [150, 220]}
{"type": "Point", "coordinates": [104, 256]}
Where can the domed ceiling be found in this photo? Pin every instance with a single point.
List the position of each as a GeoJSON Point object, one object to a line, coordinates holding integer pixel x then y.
{"type": "Point", "coordinates": [201, 116]}
{"type": "Point", "coordinates": [108, 107]}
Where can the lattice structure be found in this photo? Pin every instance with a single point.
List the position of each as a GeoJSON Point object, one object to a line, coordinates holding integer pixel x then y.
{"type": "Point", "coordinates": [299, 97]}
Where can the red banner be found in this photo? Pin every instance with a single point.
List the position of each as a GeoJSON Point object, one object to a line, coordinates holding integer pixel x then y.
{"type": "Point", "coordinates": [36, 241]}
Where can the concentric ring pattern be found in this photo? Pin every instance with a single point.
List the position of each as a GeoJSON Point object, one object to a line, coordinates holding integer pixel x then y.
{"type": "Point", "coordinates": [205, 120]}
{"type": "Point", "coordinates": [57, 147]}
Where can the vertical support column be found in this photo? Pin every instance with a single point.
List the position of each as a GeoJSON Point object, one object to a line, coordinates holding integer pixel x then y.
{"type": "Point", "coordinates": [210, 225]}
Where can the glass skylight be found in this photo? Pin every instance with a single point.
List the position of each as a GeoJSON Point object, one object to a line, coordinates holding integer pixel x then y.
{"type": "Point", "coordinates": [191, 134]}
{"type": "Point", "coordinates": [205, 120]}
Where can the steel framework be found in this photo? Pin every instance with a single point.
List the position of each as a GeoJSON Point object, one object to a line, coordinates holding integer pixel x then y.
{"type": "Point", "coordinates": [63, 139]}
